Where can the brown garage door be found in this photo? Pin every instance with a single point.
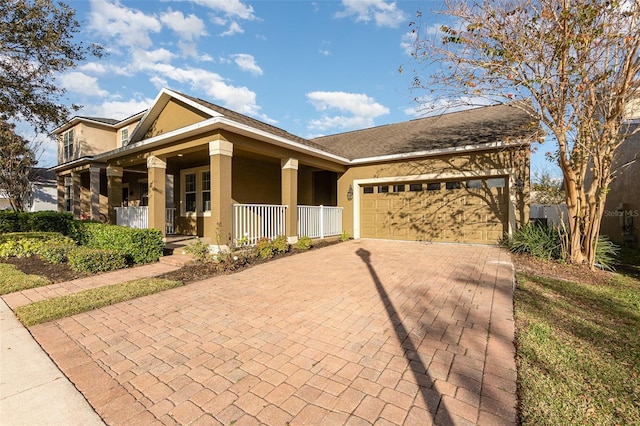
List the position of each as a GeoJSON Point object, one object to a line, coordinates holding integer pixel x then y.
{"type": "Point", "coordinates": [471, 211]}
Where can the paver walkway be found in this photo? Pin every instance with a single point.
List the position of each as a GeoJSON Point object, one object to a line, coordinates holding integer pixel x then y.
{"type": "Point", "coordinates": [357, 333]}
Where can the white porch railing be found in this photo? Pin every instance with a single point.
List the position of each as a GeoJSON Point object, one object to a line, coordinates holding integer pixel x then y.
{"type": "Point", "coordinates": [319, 221]}
{"type": "Point", "coordinates": [134, 216]}
{"type": "Point", "coordinates": [138, 217]}
{"type": "Point", "coordinates": [254, 221]}
{"type": "Point", "coordinates": [170, 220]}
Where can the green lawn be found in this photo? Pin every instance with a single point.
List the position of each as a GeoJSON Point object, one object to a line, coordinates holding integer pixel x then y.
{"type": "Point", "coordinates": [578, 351]}
{"type": "Point", "coordinates": [11, 279]}
{"type": "Point", "coordinates": [87, 300]}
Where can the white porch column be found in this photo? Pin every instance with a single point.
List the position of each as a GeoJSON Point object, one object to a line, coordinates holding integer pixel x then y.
{"type": "Point", "coordinates": [290, 197]}
{"type": "Point", "coordinates": [156, 172]}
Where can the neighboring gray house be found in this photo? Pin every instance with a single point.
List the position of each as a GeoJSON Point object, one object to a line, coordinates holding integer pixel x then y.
{"type": "Point", "coordinates": [44, 191]}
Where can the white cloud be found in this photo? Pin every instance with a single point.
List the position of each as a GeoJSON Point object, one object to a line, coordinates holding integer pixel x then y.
{"type": "Point", "coordinates": [247, 63]}
{"type": "Point", "coordinates": [82, 83]}
{"type": "Point", "coordinates": [93, 67]}
{"type": "Point", "coordinates": [188, 28]}
{"type": "Point", "coordinates": [118, 110]}
{"type": "Point", "coordinates": [239, 99]}
{"type": "Point", "coordinates": [355, 103]}
{"type": "Point", "coordinates": [234, 28]}
{"type": "Point", "coordinates": [427, 106]}
{"type": "Point", "coordinates": [359, 110]}
{"type": "Point", "coordinates": [231, 8]}
{"type": "Point", "coordinates": [128, 27]}
{"type": "Point", "coordinates": [340, 122]}
{"type": "Point", "coordinates": [383, 13]}
{"type": "Point", "coordinates": [143, 59]}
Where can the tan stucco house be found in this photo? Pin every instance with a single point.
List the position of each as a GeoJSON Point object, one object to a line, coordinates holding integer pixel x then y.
{"type": "Point", "coordinates": [189, 167]}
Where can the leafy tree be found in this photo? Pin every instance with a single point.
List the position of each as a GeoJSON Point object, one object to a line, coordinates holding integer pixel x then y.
{"type": "Point", "coordinates": [575, 62]}
{"type": "Point", "coordinates": [36, 43]}
{"type": "Point", "coordinates": [548, 189]}
{"type": "Point", "coordinates": [16, 160]}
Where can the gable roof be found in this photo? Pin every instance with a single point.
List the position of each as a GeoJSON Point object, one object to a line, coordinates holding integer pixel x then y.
{"type": "Point", "coordinates": [214, 111]}
{"type": "Point", "coordinates": [42, 175]}
{"type": "Point", "coordinates": [99, 121]}
{"type": "Point", "coordinates": [241, 118]}
{"type": "Point", "coordinates": [469, 128]}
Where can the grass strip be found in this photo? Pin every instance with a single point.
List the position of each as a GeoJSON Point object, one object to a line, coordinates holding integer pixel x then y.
{"type": "Point", "coordinates": [577, 351]}
{"type": "Point", "coordinates": [87, 300]}
{"type": "Point", "coordinates": [12, 279]}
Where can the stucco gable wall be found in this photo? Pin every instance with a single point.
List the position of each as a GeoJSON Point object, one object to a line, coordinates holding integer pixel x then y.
{"type": "Point", "coordinates": [88, 140]}
{"type": "Point", "coordinates": [175, 115]}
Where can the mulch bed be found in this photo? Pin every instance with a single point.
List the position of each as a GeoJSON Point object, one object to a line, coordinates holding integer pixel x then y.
{"type": "Point", "coordinates": [34, 265]}
{"type": "Point", "coordinates": [189, 273]}
{"type": "Point", "coordinates": [197, 271]}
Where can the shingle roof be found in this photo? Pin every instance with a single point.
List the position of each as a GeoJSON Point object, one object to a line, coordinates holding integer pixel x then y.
{"type": "Point", "coordinates": [43, 175]}
{"type": "Point", "coordinates": [243, 119]}
{"type": "Point", "coordinates": [101, 120]}
{"type": "Point", "coordinates": [470, 127]}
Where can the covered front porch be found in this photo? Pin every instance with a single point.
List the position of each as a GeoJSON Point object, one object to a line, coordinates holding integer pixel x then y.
{"type": "Point", "coordinates": [231, 194]}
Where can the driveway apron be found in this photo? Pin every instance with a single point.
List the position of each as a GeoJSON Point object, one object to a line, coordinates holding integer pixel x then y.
{"type": "Point", "coordinates": [360, 332]}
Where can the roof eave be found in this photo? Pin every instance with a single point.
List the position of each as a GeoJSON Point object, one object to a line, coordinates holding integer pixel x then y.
{"type": "Point", "coordinates": [224, 123]}
{"type": "Point", "coordinates": [71, 164]}
{"type": "Point", "coordinates": [440, 151]}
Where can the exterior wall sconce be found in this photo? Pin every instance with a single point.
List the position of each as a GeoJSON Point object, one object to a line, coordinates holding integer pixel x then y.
{"type": "Point", "coordinates": [350, 193]}
{"type": "Point", "coordinates": [519, 184]}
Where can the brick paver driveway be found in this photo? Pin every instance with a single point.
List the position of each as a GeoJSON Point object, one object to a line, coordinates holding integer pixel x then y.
{"type": "Point", "coordinates": [357, 333]}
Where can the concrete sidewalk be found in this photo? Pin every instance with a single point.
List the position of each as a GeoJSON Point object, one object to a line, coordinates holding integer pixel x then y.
{"type": "Point", "coordinates": [33, 391]}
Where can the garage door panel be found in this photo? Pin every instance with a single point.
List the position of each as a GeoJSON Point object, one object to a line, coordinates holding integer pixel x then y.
{"type": "Point", "coordinates": [477, 215]}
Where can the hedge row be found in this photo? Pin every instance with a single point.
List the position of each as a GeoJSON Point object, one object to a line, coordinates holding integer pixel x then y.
{"type": "Point", "coordinates": [138, 245]}
{"type": "Point", "coordinates": [56, 248]}
{"type": "Point", "coordinates": [47, 221]}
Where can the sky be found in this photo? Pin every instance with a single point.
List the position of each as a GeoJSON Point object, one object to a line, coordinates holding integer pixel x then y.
{"type": "Point", "coordinates": [312, 68]}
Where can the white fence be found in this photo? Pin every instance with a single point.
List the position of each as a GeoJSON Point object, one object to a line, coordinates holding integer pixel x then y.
{"type": "Point", "coordinates": [138, 217]}
{"type": "Point", "coordinates": [254, 221]}
{"type": "Point", "coordinates": [319, 221]}
{"type": "Point", "coordinates": [554, 214]}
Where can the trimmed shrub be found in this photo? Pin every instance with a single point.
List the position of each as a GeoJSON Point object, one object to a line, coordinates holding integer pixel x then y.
{"type": "Point", "coordinates": [57, 251]}
{"type": "Point", "coordinates": [47, 221]}
{"type": "Point", "coordinates": [264, 248]}
{"type": "Point", "coordinates": [138, 245]}
{"type": "Point", "coordinates": [199, 250]}
{"type": "Point", "coordinates": [304, 243]}
{"type": "Point", "coordinates": [26, 244]}
{"type": "Point", "coordinates": [9, 221]}
{"type": "Point", "coordinates": [92, 260]}
{"type": "Point", "coordinates": [280, 244]}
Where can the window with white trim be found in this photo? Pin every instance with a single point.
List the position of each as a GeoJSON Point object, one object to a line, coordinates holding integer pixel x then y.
{"type": "Point", "coordinates": [190, 193]}
{"type": "Point", "coordinates": [124, 136]}
{"type": "Point", "coordinates": [206, 191]}
{"type": "Point", "coordinates": [67, 145]}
